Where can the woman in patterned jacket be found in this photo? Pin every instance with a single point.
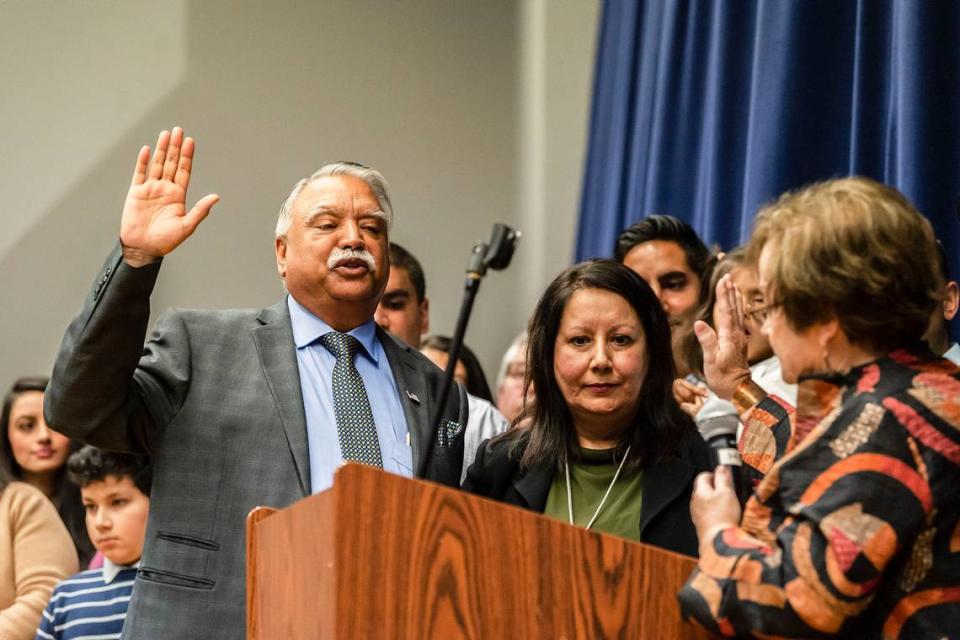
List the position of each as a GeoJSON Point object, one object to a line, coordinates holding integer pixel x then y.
{"type": "Point", "coordinates": [854, 529]}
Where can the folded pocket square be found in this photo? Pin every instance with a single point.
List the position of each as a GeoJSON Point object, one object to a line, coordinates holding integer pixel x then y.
{"type": "Point", "coordinates": [447, 432]}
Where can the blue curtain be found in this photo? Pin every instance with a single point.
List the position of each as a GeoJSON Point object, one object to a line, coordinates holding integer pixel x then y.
{"type": "Point", "coordinates": [705, 110]}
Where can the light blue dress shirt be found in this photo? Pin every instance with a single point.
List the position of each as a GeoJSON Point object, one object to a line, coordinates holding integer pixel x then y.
{"type": "Point", "coordinates": [316, 384]}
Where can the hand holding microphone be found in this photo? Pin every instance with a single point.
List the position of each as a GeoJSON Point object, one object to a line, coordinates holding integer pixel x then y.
{"type": "Point", "coordinates": [720, 432]}
{"type": "Point", "coordinates": [714, 505]}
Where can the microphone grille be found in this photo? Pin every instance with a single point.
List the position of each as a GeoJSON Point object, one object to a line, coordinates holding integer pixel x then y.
{"type": "Point", "coordinates": [718, 426]}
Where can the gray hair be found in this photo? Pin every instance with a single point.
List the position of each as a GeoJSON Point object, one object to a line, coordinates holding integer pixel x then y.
{"type": "Point", "coordinates": [372, 177]}
{"type": "Point", "coordinates": [516, 348]}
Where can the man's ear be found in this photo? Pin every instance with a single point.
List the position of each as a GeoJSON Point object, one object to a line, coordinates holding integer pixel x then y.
{"type": "Point", "coordinates": [951, 300]}
{"type": "Point", "coordinates": [280, 245]}
{"type": "Point", "coordinates": [425, 316]}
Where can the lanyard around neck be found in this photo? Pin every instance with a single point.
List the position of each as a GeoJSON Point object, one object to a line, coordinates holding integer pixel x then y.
{"type": "Point", "coordinates": [566, 468]}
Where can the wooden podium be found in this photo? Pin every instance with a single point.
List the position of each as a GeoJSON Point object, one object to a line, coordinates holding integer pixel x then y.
{"type": "Point", "coordinates": [380, 556]}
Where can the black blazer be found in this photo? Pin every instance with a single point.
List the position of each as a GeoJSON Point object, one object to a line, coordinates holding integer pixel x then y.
{"type": "Point", "coordinates": [665, 513]}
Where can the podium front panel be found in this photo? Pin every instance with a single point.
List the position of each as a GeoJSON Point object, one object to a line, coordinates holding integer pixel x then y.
{"type": "Point", "coordinates": [380, 556]}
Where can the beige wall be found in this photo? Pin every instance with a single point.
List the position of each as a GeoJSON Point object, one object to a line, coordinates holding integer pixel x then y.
{"type": "Point", "coordinates": [470, 119]}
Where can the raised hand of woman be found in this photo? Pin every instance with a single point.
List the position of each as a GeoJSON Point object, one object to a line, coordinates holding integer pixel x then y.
{"type": "Point", "coordinates": [725, 364]}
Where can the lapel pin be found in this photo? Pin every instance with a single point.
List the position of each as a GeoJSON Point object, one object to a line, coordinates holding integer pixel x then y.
{"type": "Point", "coordinates": [413, 397]}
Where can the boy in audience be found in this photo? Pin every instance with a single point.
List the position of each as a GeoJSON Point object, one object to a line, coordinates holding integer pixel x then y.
{"type": "Point", "coordinates": [115, 489]}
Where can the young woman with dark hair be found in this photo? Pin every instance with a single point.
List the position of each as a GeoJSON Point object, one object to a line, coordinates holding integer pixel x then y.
{"type": "Point", "coordinates": [33, 453]}
{"type": "Point", "coordinates": [605, 443]}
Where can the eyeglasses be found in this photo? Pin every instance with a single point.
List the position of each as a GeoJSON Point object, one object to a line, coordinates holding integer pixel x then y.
{"type": "Point", "coordinates": [760, 314]}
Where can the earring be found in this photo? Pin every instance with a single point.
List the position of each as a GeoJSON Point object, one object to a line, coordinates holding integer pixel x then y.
{"type": "Point", "coordinates": [826, 361]}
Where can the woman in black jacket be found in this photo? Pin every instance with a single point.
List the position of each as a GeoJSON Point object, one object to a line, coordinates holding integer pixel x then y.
{"type": "Point", "coordinates": [606, 446]}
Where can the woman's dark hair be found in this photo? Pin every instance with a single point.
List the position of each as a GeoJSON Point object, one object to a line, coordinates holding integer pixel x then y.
{"type": "Point", "coordinates": [659, 426]}
{"type": "Point", "coordinates": [91, 464]}
{"type": "Point", "coordinates": [24, 385]}
{"type": "Point", "coordinates": [66, 496]}
{"type": "Point", "coordinates": [476, 380]}
{"type": "Point", "coordinates": [4, 479]}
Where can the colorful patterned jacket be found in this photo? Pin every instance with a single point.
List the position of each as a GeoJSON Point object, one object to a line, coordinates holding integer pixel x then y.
{"type": "Point", "coordinates": [854, 529]}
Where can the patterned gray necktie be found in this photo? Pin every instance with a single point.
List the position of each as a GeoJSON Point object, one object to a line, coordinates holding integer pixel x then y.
{"type": "Point", "coordinates": [355, 425]}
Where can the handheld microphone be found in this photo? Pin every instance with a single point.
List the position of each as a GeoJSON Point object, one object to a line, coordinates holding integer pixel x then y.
{"type": "Point", "coordinates": [720, 432]}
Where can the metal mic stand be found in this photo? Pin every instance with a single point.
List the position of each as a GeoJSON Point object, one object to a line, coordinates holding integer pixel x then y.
{"type": "Point", "coordinates": [495, 254]}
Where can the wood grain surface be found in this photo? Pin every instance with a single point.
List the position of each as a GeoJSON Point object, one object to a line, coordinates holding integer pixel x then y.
{"type": "Point", "coordinates": [253, 578]}
{"type": "Point", "coordinates": [380, 556]}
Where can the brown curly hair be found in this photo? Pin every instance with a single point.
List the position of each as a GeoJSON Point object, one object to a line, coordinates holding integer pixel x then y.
{"type": "Point", "coordinates": [855, 250]}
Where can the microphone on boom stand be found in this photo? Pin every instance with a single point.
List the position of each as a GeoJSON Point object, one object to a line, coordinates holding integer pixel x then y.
{"type": "Point", "coordinates": [495, 254]}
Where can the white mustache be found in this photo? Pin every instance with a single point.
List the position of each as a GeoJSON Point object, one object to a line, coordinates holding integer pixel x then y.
{"type": "Point", "coordinates": [338, 256]}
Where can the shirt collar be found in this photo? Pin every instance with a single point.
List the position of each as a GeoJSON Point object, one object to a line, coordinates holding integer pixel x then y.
{"type": "Point", "coordinates": [110, 570]}
{"type": "Point", "coordinates": [953, 353]}
{"type": "Point", "coordinates": [307, 328]}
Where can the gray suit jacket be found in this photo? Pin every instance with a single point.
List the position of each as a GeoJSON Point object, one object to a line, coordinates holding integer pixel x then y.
{"type": "Point", "coordinates": [215, 398]}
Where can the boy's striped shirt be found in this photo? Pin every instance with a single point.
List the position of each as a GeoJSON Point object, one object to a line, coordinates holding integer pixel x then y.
{"type": "Point", "coordinates": [91, 605]}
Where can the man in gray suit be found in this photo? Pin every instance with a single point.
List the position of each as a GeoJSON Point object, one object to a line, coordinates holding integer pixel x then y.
{"type": "Point", "coordinates": [242, 408]}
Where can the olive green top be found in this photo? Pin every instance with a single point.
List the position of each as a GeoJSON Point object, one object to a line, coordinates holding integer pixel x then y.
{"type": "Point", "coordinates": [590, 478]}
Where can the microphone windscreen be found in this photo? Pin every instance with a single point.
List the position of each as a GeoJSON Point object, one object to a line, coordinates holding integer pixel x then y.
{"type": "Point", "coordinates": [718, 426]}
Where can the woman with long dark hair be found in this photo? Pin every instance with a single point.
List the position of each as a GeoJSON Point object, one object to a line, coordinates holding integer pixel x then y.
{"type": "Point", "coordinates": [33, 453]}
{"type": "Point", "coordinates": [605, 444]}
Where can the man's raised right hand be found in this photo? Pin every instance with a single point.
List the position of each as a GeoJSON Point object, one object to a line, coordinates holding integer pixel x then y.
{"type": "Point", "coordinates": [155, 220]}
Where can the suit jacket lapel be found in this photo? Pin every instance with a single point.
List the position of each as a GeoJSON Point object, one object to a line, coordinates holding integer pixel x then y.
{"type": "Point", "coordinates": [278, 358]}
{"type": "Point", "coordinates": [534, 486]}
{"type": "Point", "coordinates": [412, 390]}
{"type": "Point", "coordinates": [662, 483]}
